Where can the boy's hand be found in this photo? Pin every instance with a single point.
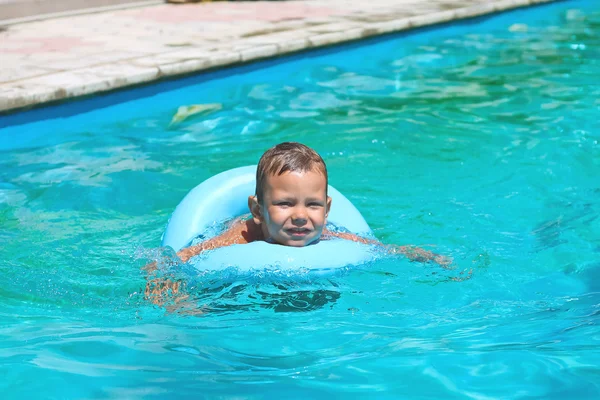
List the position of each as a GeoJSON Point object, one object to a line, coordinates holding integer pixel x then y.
{"type": "Point", "coordinates": [443, 261]}
{"type": "Point", "coordinates": [171, 295]}
{"type": "Point", "coordinates": [162, 290]}
{"type": "Point", "coordinates": [421, 255]}
{"type": "Point", "coordinates": [149, 268]}
{"type": "Point", "coordinates": [159, 290]}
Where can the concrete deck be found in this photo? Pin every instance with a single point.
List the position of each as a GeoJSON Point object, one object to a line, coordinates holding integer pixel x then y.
{"type": "Point", "coordinates": [62, 58]}
{"type": "Point", "coordinates": [12, 9]}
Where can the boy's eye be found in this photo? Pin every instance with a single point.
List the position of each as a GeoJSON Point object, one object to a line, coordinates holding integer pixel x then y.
{"type": "Point", "coordinates": [315, 205]}
{"type": "Point", "coordinates": [284, 204]}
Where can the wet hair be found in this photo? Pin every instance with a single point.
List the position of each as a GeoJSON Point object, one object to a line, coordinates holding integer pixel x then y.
{"type": "Point", "coordinates": [287, 157]}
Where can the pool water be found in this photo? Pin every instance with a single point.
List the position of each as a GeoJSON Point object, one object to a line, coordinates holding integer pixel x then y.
{"type": "Point", "coordinates": [477, 140]}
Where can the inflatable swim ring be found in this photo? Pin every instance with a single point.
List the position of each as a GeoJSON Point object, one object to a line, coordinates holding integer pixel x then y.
{"type": "Point", "coordinates": [225, 196]}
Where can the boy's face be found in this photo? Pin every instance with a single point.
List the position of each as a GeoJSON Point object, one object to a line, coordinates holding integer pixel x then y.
{"type": "Point", "coordinates": [294, 208]}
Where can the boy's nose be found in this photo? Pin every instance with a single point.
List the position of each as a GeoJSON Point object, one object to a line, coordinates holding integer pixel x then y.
{"type": "Point", "coordinates": [299, 221]}
{"type": "Point", "coordinates": [299, 217]}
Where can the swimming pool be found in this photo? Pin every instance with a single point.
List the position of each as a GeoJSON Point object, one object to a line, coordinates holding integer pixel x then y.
{"type": "Point", "coordinates": [480, 138]}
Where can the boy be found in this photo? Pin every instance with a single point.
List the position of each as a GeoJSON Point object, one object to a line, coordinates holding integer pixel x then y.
{"type": "Point", "coordinates": [289, 207]}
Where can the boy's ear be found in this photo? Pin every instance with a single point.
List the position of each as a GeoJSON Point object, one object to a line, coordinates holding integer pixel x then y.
{"type": "Point", "coordinates": [328, 207]}
{"type": "Point", "coordinates": [255, 209]}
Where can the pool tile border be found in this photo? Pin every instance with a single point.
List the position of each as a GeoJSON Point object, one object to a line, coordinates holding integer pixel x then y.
{"type": "Point", "coordinates": [59, 86]}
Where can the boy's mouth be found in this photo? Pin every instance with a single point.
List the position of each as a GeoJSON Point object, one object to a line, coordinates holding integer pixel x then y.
{"type": "Point", "coordinates": [298, 232]}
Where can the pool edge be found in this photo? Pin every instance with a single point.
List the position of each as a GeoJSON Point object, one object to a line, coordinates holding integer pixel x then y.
{"type": "Point", "coordinates": [83, 82]}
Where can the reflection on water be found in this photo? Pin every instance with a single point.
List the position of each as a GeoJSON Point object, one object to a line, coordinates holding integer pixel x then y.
{"type": "Point", "coordinates": [476, 141]}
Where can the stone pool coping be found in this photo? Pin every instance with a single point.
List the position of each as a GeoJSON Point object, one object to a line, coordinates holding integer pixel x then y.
{"type": "Point", "coordinates": [62, 58]}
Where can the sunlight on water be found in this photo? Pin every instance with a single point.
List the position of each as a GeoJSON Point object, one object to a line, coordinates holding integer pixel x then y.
{"type": "Point", "coordinates": [478, 141]}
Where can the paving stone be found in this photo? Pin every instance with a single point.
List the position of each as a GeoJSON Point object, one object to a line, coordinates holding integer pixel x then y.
{"type": "Point", "coordinates": [326, 39]}
{"type": "Point", "coordinates": [220, 58]}
{"type": "Point", "coordinates": [508, 4]}
{"type": "Point", "coordinates": [391, 26]}
{"type": "Point", "coordinates": [355, 34]}
{"type": "Point", "coordinates": [20, 72]}
{"type": "Point", "coordinates": [255, 53]}
{"type": "Point", "coordinates": [97, 79]}
{"type": "Point", "coordinates": [184, 67]}
{"type": "Point", "coordinates": [92, 60]}
{"type": "Point", "coordinates": [26, 95]}
{"type": "Point", "coordinates": [292, 45]}
{"type": "Point", "coordinates": [474, 11]}
{"type": "Point", "coordinates": [273, 38]}
{"type": "Point", "coordinates": [435, 18]}
{"type": "Point", "coordinates": [333, 27]}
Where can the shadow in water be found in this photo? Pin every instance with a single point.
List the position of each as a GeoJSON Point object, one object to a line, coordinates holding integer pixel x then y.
{"type": "Point", "coordinates": [228, 297]}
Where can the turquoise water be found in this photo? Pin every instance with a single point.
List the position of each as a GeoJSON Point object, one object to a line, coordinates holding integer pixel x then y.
{"type": "Point", "coordinates": [478, 140]}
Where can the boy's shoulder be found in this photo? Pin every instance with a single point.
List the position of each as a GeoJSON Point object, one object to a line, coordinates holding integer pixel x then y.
{"type": "Point", "coordinates": [241, 231]}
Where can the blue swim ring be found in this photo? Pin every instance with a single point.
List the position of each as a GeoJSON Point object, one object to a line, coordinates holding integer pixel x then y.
{"type": "Point", "coordinates": [225, 196]}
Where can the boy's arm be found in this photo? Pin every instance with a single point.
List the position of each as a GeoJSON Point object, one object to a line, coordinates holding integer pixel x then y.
{"type": "Point", "coordinates": [349, 236]}
{"type": "Point", "coordinates": [188, 252]}
{"type": "Point", "coordinates": [240, 232]}
{"type": "Point", "coordinates": [413, 253]}
{"type": "Point", "coordinates": [211, 244]}
{"type": "Point", "coordinates": [160, 289]}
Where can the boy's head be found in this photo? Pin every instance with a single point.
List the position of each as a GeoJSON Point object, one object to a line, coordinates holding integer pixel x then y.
{"type": "Point", "coordinates": [287, 157]}
{"type": "Point", "coordinates": [291, 203]}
